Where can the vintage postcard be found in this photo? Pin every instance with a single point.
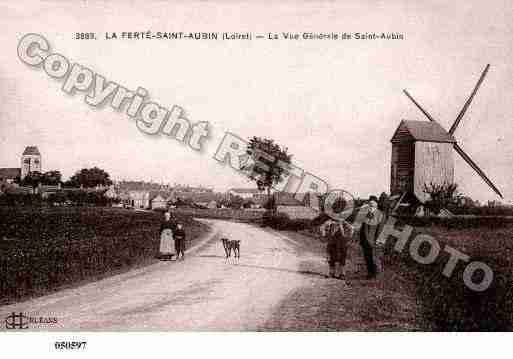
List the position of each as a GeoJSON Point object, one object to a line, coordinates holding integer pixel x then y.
{"type": "Point", "coordinates": [237, 166]}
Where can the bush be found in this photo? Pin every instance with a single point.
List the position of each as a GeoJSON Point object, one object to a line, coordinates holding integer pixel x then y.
{"type": "Point", "coordinates": [455, 222]}
{"type": "Point", "coordinates": [58, 197]}
{"type": "Point", "coordinates": [247, 203]}
{"type": "Point", "coordinates": [278, 220]}
{"type": "Point", "coordinates": [282, 221]}
{"type": "Point", "coordinates": [160, 210]}
{"type": "Point", "coordinates": [482, 210]}
{"type": "Point", "coordinates": [20, 199]}
{"type": "Point", "coordinates": [77, 197]}
{"type": "Point", "coordinates": [299, 224]}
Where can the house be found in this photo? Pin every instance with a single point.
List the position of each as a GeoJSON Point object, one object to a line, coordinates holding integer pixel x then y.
{"type": "Point", "coordinates": [203, 199]}
{"type": "Point", "coordinates": [186, 188]}
{"type": "Point", "coordinates": [124, 198]}
{"type": "Point", "coordinates": [246, 193]}
{"type": "Point", "coordinates": [139, 198]}
{"type": "Point", "coordinates": [111, 192]}
{"type": "Point", "coordinates": [311, 199]}
{"type": "Point", "coordinates": [286, 199]}
{"type": "Point", "coordinates": [47, 190]}
{"type": "Point", "coordinates": [158, 200]}
{"type": "Point", "coordinates": [30, 162]}
{"type": "Point", "coordinates": [140, 194]}
{"type": "Point", "coordinates": [287, 202]}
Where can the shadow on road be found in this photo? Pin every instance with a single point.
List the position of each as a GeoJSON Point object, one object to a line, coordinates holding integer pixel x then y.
{"type": "Point", "coordinates": [299, 271]}
{"type": "Point", "coordinates": [334, 305]}
{"type": "Point", "coordinates": [305, 267]}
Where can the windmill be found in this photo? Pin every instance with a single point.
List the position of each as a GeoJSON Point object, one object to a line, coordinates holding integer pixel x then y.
{"type": "Point", "coordinates": [422, 152]}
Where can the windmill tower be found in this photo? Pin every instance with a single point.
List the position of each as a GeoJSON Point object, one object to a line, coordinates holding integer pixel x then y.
{"type": "Point", "coordinates": [30, 161]}
{"type": "Point", "coordinates": [422, 152]}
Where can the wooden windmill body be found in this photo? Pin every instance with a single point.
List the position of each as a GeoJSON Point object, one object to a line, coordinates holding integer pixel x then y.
{"type": "Point", "coordinates": [422, 153]}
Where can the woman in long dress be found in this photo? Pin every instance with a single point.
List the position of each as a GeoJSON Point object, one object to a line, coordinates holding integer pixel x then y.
{"type": "Point", "coordinates": [167, 243]}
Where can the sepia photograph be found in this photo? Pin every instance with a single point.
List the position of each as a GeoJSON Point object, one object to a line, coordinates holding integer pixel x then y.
{"type": "Point", "coordinates": [293, 169]}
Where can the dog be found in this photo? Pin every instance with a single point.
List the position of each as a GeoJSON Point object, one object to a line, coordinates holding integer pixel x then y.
{"type": "Point", "coordinates": [229, 245]}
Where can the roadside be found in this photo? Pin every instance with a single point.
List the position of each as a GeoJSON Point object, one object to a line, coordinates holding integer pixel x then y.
{"type": "Point", "coordinates": [332, 305]}
{"type": "Point", "coordinates": [278, 284]}
{"type": "Point", "coordinates": [203, 292]}
{"type": "Point", "coordinates": [44, 250]}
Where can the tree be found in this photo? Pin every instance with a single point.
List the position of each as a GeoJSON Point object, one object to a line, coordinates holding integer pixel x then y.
{"type": "Point", "coordinates": [183, 202]}
{"type": "Point", "coordinates": [247, 203]}
{"type": "Point", "coordinates": [235, 202]}
{"type": "Point", "coordinates": [268, 164]}
{"type": "Point", "coordinates": [441, 195]}
{"type": "Point", "coordinates": [57, 197]}
{"type": "Point", "coordinates": [32, 179]}
{"type": "Point", "coordinates": [90, 177]}
{"type": "Point", "coordinates": [51, 178]}
{"type": "Point", "coordinates": [384, 203]}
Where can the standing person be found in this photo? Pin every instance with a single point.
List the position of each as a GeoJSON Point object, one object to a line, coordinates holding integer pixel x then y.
{"type": "Point", "coordinates": [384, 207]}
{"type": "Point", "coordinates": [369, 233]}
{"type": "Point", "coordinates": [169, 222]}
{"type": "Point", "coordinates": [167, 228]}
{"type": "Point", "coordinates": [179, 236]}
{"type": "Point", "coordinates": [338, 234]}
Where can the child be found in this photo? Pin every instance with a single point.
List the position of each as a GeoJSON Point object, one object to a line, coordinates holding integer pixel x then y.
{"type": "Point", "coordinates": [338, 234]}
{"type": "Point", "coordinates": [179, 236]}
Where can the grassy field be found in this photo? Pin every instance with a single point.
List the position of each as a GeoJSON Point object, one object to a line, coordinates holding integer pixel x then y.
{"type": "Point", "coordinates": [446, 304]}
{"type": "Point", "coordinates": [43, 249]}
{"type": "Point", "coordinates": [441, 303]}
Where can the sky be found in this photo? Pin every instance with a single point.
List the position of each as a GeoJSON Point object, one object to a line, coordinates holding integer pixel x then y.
{"type": "Point", "coordinates": [333, 104]}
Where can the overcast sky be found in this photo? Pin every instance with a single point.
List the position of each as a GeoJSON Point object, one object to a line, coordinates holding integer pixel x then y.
{"type": "Point", "coordinates": [334, 104]}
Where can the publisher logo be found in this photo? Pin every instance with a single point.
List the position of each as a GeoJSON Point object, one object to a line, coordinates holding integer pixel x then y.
{"type": "Point", "coordinates": [17, 321]}
{"type": "Point", "coordinates": [22, 321]}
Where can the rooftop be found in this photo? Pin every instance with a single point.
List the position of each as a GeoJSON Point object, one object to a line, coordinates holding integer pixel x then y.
{"type": "Point", "coordinates": [427, 131]}
{"type": "Point", "coordinates": [31, 150]}
{"type": "Point", "coordinates": [9, 173]}
{"type": "Point", "coordinates": [245, 190]}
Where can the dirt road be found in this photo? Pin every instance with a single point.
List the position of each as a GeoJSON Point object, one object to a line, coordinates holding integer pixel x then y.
{"type": "Point", "coordinates": [277, 284]}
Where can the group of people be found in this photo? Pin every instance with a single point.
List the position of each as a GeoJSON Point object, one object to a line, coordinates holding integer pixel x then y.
{"type": "Point", "coordinates": [171, 230]}
{"type": "Point", "coordinates": [340, 232]}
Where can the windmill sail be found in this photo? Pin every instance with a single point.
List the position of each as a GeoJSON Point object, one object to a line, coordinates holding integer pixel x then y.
{"type": "Point", "coordinates": [476, 168]}
{"type": "Point", "coordinates": [455, 125]}
{"type": "Point", "coordinates": [469, 100]}
{"type": "Point", "coordinates": [419, 106]}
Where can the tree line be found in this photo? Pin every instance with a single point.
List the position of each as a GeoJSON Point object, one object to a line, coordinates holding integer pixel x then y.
{"type": "Point", "coordinates": [86, 178]}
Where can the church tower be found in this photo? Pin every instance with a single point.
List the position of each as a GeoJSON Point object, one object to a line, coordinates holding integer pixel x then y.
{"type": "Point", "coordinates": [30, 161]}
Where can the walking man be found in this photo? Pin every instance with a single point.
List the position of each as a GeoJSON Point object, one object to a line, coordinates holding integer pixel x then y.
{"type": "Point", "coordinates": [369, 233]}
